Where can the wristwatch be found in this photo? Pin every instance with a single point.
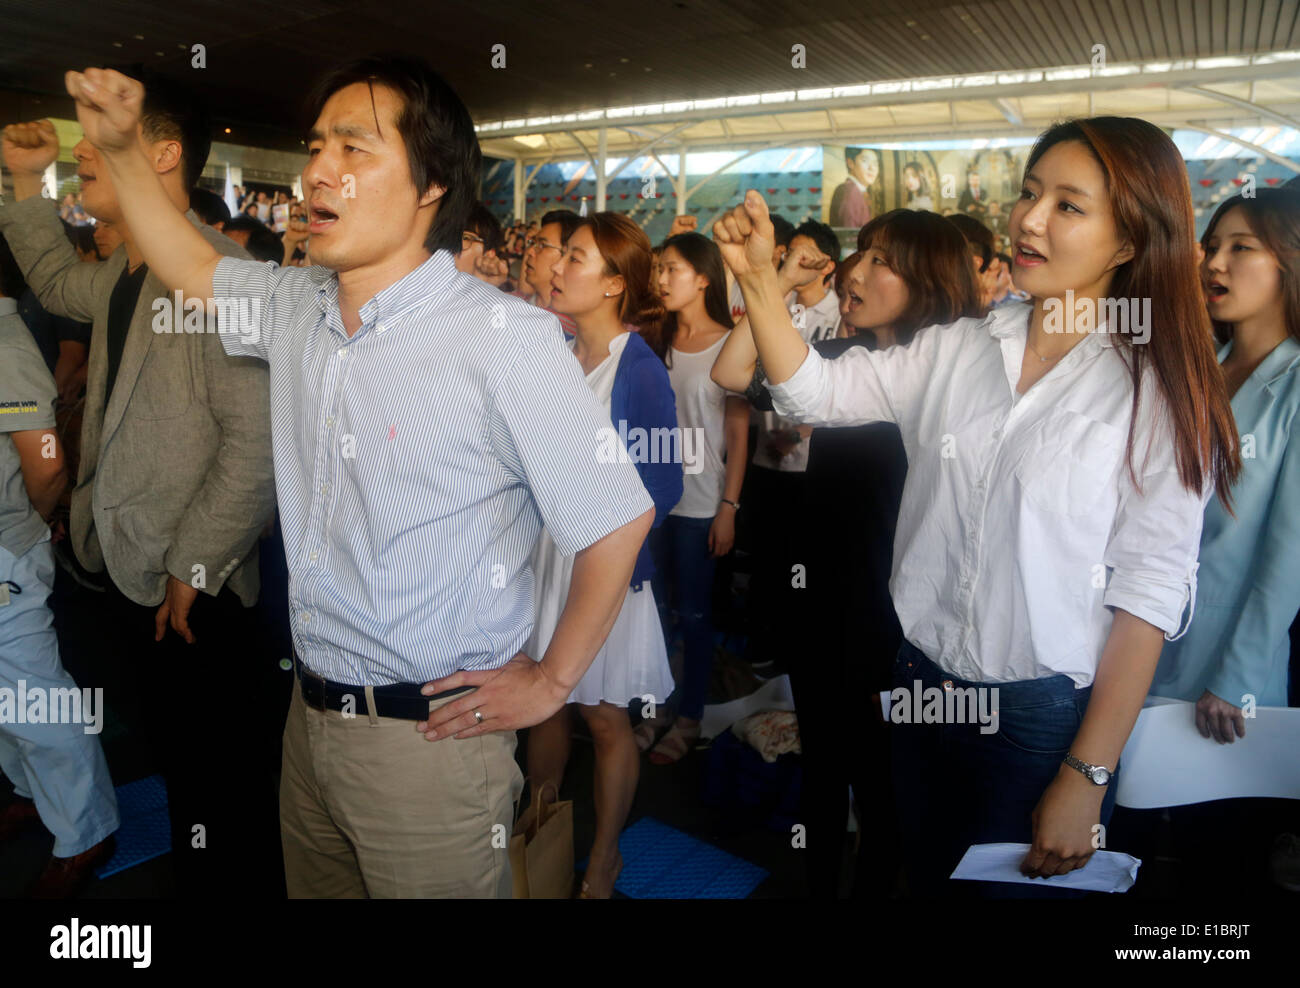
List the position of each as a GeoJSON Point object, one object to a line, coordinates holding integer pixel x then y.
{"type": "Point", "coordinates": [1098, 775]}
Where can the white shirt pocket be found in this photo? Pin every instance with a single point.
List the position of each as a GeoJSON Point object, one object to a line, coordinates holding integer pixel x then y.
{"type": "Point", "coordinates": [1069, 461]}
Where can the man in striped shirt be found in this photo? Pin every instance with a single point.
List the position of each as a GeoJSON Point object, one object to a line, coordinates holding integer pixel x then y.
{"type": "Point", "coordinates": [424, 426]}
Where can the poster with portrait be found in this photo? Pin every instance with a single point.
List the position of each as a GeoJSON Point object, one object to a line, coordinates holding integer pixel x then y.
{"type": "Point", "coordinates": [860, 182]}
{"type": "Point", "coordinates": [851, 191]}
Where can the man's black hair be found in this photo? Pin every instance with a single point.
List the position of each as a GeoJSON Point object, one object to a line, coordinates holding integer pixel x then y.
{"type": "Point", "coordinates": [977, 236]}
{"type": "Point", "coordinates": [12, 283]}
{"type": "Point", "coordinates": [784, 230]}
{"type": "Point", "coordinates": [441, 146]}
{"type": "Point", "coordinates": [174, 112]}
{"type": "Point", "coordinates": [263, 243]}
{"type": "Point", "coordinates": [567, 219]}
{"type": "Point", "coordinates": [209, 206]}
{"type": "Point", "coordinates": [822, 235]}
{"type": "Point", "coordinates": [482, 222]}
{"type": "Point", "coordinates": [81, 237]}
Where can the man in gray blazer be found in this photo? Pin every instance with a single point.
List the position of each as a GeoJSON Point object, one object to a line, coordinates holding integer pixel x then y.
{"type": "Point", "coordinates": [175, 485]}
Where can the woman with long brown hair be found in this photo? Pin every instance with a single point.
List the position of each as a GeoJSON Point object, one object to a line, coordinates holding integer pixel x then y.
{"type": "Point", "coordinates": [1249, 588]}
{"type": "Point", "coordinates": [602, 281]}
{"type": "Point", "coordinates": [692, 283]}
{"type": "Point", "coordinates": [1058, 465]}
{"type": "Point", "coordinates": [1236, 653]}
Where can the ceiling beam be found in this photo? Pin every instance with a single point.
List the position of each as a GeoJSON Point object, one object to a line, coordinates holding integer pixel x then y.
{"type": "Point", "coordinates": [1225, 117]}
{"type": "Point", "coordinates": [1277, 159]}
{"type": "Point", "coordinates": [1013, 115]}
{"type": "Point", "coordinates": [1247, 105]}
{"type": "Point", "coordinates": [1140, 80]}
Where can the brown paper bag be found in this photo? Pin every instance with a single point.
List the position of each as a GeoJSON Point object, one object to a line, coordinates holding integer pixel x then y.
{"type": "Point", "coordinates": [541, 849]}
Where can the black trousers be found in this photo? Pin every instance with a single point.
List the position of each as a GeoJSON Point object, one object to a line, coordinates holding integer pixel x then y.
{"type": "Point", "coordinates": [212, 714]}
{"type": "Point", "coordinates": [836, 681]}
{"type": "Point", "coordinates": [775, 615]}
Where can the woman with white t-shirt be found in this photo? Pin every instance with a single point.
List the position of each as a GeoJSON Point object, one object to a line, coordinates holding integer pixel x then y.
{"type": "Point", "coordinates": [602, 281]}
{"type": "Point", "coordinates": [1047, 538]}
{"type": "Point", "coordinates": [714, 434]}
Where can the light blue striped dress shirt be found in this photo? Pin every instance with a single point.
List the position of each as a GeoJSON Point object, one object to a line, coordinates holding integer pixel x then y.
{"type": "Point", "coordinates": [416, 462]}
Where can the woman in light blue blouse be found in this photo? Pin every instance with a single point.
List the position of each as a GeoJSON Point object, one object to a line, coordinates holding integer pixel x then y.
{"type": "Point", "coordinates": [1249, 579]}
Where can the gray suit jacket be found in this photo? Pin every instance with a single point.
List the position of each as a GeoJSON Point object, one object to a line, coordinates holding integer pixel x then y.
{"type": "Point", "coordinates": [176, 474]}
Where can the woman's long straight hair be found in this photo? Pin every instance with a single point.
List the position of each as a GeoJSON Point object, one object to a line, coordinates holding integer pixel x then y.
{"type": "Point", "coordinates": [1273, 216]}
{"type": "Point", "coordinates": [703, 256]}
{"type": "Point", "coordinates": [1148, 185]}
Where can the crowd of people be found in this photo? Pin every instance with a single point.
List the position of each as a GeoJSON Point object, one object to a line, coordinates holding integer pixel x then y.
{"type": "Point", "coordinates": [432, 423]}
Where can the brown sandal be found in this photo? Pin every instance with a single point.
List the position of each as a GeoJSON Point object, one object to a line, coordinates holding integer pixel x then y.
{"type": "Point", "coordinates": [648, 732]}
{"type": "Point", "coordinates": [674, 745]}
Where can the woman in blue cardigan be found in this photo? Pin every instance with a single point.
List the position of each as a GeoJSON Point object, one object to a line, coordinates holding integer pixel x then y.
{"type": "Point", "coordinates": [603, 282]}
{"type": "Point", "coordinates": [1236, 651]}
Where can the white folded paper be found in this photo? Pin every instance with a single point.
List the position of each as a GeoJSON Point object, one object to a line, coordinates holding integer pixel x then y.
{"type": "Point", "coordinates": [775, 694]}
{"type": "Point", "coordinates": [1167, 763]}
{"type": "Point", "coordinates": [1106, 871]}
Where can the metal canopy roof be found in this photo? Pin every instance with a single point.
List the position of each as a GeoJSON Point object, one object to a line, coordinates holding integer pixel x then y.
{"type": "Point", "coordinates": [581, 57]}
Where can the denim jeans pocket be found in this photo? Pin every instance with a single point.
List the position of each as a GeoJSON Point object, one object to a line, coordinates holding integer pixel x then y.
{"type": "Point", "coordinates": [1042, 729]}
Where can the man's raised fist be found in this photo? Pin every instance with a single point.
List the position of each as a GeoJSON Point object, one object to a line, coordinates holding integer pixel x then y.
{"type": "Point", "coordinates": [746, 237]}
{"type": "Point", "coordinates": [29, 148]}
{"type": "Point", "coordinates": [685, 223]}
{"type": "Point", "coordinates": [108, 107]}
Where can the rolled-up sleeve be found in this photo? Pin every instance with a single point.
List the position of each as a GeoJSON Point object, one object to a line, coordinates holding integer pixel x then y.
{"type": "Point", "coordinates": [256, 300]}
{"type": "Point", "coordinates": [1156, 539]}
{"type": "Point", "coordinates": [551, 433]}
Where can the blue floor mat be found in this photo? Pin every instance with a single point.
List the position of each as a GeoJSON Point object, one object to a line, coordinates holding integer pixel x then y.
{"type": "Point", "coordinates": [661, 862]}
{"type": "Point", "coordinates": [146, 830]}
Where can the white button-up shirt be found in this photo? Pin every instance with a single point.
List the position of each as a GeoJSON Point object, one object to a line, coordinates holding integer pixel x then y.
{"type": "Point", "coordinates": [1020, 525]}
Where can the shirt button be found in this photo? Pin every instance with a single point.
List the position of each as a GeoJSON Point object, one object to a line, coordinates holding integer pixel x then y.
{"type": "Point", "coordinates": [329, 422]}
{"type": "Point", "coordinates": [997, 433]}
{"type": "Point", "coordinates": [305, 617]}
{"type": "Point", "coordinates": [341, 352]}
{"type": "Point", "coordinates": [314, 556]}
{"type": "Point", "coordinates": [324, 488]}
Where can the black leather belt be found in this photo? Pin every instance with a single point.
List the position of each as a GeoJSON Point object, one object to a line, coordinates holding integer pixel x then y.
{"type": "Point", "coordinates": [401, 700]}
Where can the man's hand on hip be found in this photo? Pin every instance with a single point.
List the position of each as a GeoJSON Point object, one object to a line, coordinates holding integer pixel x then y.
{"type": "Point", "coordinates": [175, 610]}
{"type": "Point", "coordinates": [519, 694]}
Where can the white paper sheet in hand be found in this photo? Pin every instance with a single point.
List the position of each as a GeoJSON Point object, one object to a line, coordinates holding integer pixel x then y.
{"type": "Point", "coordinates": [1106, 871]}
{"type": "Point", "coordinates": [1167, 763]}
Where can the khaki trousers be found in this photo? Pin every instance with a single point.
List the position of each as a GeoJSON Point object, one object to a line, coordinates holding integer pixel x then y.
{"type": "Point", "coordinates": [369, 808]}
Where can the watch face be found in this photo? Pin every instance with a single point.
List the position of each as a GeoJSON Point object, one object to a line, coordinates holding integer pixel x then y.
{"type": "Point", "coordinates": [1100, 775]}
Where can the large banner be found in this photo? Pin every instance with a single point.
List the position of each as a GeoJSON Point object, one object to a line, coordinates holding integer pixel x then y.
{"type": "Point", "coordinates": [861, 182]}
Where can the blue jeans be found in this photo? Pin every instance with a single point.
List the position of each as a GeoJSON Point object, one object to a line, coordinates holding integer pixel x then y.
{"type": "Point", "coordinates": [684, 595]}
{"type": "Point", "coordinates": [957, 786]}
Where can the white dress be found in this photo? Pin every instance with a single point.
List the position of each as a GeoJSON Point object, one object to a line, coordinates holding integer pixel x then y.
{"type": "Point", "coordinates": [633, 661]}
